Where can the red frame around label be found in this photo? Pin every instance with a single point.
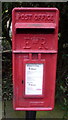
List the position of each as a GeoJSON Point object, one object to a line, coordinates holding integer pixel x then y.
{"type": "Point", "coordinates": [34, 62]}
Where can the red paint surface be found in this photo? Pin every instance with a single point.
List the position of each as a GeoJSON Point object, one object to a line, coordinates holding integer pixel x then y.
{"type": "Point", "coordinates": [34, 40]}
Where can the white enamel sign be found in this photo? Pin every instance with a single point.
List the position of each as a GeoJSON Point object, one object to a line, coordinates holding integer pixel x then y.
{"type": "Point", "coordinates": [34, 79]}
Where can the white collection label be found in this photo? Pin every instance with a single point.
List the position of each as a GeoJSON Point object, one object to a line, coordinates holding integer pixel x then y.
{"type": "Point", "coordinates": [34, 79]}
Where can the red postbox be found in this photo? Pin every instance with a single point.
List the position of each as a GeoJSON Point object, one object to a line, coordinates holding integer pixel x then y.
{"type": "Point", "coordinates": [34, 49]}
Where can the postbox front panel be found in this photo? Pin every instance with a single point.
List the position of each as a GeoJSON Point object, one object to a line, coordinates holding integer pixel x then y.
{"type": "Point", "coordinates": [34, 47]}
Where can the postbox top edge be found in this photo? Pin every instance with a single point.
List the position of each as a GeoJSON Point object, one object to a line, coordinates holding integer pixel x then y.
{"type": "Point", "coordinates": [36, 8]}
